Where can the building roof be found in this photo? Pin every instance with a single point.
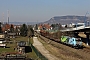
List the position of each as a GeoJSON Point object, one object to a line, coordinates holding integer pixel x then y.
{"type": "Point", "coordinates": [21, 43]}
{"type": "Point", "coordinates": [11, 33]}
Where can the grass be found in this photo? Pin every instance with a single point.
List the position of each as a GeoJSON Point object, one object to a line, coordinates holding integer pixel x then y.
{"type": "Point", "coordinates": [11, 46]}
{"type": "Point", "coordinates": [20, 38]}
{"type": "Point", "coordinates": [8, 49]}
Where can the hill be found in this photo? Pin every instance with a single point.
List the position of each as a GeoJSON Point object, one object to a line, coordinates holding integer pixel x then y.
{"type": "Point", "coordinates": [67, 19]}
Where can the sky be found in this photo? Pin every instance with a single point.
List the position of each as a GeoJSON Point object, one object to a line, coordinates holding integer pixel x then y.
{"type": "Point", "coordinates": [41, 10]}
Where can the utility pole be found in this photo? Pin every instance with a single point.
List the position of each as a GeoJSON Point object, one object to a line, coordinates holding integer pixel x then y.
{"type": "Point", "coordinates": [85, 19]}
{"type": "Point", "coordinates": [87, 35]}
{"type": "Point", "coordinates": [3, 18]}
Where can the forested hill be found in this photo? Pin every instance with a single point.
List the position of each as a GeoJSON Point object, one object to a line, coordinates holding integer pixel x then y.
{"type": "Point", "coordinates": [67, 19]}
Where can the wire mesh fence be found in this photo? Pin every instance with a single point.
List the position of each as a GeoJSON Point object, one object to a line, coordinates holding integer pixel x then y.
{"type": "Point", "coordinates": [40, 56]}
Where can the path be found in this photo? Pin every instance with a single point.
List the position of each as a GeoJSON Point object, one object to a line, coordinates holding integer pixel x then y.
{"type": "Point", "coordinates": [38, 45]}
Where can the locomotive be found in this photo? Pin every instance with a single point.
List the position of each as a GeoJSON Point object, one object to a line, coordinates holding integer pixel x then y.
{"type": "Point", "coordinates": [75, 42]}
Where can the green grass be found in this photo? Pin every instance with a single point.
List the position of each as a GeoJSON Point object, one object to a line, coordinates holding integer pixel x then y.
{"type": "Point", "coordinates": [20, 38]}
{"type": "Point", "coordinates": [5, 50]}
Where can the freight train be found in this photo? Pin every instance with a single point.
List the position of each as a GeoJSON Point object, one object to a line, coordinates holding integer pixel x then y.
{"type": "Point", "coordinates": [57, 36]}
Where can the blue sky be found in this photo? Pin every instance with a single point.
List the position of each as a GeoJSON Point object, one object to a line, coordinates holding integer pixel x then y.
{"type": "Point", "coordinates": [41, 10]}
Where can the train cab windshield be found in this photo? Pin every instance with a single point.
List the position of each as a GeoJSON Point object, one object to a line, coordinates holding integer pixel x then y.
{"type": "Point", "coordinates": [78, 39]}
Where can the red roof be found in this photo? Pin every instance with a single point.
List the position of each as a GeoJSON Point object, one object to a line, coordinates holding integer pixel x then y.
{"type": "Point", "coordinates": [6, 27]}
{"type": "Point", "coordinates": [47, 26]}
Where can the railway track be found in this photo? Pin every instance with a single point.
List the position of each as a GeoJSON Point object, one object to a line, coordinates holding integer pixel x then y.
{"type": "Point", "coordinates": [87, 50]}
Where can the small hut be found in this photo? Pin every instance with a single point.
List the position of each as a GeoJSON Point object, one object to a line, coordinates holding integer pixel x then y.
{"type": "Point", "coordinates": [11, 35]}
{"type": "Point", "coordinates": [21, 46]}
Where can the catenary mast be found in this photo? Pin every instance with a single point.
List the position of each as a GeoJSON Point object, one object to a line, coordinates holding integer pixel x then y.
{"type": "Point", "coordinates": [8, 16]}
{"type": "Point", "coordinates": [3, 18]}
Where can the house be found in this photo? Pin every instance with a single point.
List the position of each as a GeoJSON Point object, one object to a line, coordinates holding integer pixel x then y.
{"type": "Point", "coordinates": [44, 27]}
{"type": "Point", "coordinates": [47, 26]}
{"type": "Point", "coordinates": [6, 27]}
{"type": "Point", "coordinates": [2, 40]}
{"type": "Point", "coordinates": [17, 28]}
